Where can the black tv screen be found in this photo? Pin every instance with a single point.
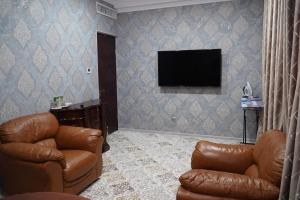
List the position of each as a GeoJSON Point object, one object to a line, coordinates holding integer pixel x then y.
{"type": "Point", "coordinates": [189, 68]}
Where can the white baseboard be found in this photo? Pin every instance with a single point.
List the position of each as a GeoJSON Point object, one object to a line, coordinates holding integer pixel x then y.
{"type": "Point", "coordinates": [237, 139]}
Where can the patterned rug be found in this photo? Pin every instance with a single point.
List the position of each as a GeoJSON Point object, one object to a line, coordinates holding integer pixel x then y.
{"type": "Point", "coordinates": [144, 166]}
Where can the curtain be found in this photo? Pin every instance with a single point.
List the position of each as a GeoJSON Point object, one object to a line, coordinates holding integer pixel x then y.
{"type": "Point", "coordinates": [290, 186]}
{"type": "Point", "coordinates": [274, 65]}
{"type": "Point", "coordinates": [281, 85]}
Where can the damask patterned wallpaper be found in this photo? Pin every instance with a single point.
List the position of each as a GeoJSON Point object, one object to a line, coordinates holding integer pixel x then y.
{"type": "Point", "coordinates": [45, 48]}
{"type": "Point", "coordinates": [234, 26]}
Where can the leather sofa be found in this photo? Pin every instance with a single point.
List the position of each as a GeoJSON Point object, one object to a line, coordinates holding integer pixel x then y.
{"type": "Point", "coordinates": [36, 154]}
{"type": "Point", "coordinates": [232, 172]}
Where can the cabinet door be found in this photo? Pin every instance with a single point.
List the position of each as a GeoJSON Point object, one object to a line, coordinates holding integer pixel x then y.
{"type": "Point", "coordinates": [93, 116]}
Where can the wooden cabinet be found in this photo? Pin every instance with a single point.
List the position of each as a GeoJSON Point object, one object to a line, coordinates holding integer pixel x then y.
{"type": "Point", "coordinates": [87, 114]}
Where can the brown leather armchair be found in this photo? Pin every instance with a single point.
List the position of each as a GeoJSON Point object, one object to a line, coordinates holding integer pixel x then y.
{"type": "Point", "coordinates": [37, 155]}
{"type": "Point", "coordinates": [232, 172]}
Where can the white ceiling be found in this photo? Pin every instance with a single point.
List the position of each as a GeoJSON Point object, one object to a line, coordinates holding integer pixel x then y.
{"type": "Point", "coordinates": [137, 5]}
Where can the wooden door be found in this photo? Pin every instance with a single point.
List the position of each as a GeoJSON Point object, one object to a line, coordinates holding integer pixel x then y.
{"type": "Point", "coordinates": [107, 80]}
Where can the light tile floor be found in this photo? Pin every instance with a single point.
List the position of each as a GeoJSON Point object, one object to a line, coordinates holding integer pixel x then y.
{"type": "Point", "coordinates": [144, 165]}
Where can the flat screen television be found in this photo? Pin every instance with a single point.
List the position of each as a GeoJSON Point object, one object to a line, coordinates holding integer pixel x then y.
{"type": "Point", "coordinates": [192, 68]}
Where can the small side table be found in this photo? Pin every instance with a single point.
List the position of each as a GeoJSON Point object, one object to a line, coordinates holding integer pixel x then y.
{"type": "Point", "coordinates": [250, 105]}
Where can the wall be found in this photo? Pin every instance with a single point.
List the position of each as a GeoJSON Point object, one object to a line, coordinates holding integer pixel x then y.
{"type": "Point", "coordinates": [234, 26]}
{"type": "Point", "coordinates": [45, 47]}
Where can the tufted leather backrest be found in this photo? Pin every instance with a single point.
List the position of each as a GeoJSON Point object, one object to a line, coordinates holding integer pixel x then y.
{"type": "Point", "coordinates": [269, 156]}
{"type": "Point", "coordinates": [29, 129]}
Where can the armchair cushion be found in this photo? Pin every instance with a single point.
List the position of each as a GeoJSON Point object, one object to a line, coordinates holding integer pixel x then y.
{"type": "Point", "coordinates": [252, 171]}
{"type": "Point", "coordinates": [69, 137]}
{"type": "Point", "coordinates": [233, 158]}
{"type": "Point", "coordinates": [183, 194]}
{"type": "Point", "coordinates": [45, 196]}
{"type": "Point", "coordinates": [50, 142]}
{"type": "Point", "coordinates": [78, 163]}
{"type": "Point", "coordinates": [224, 184]}
{"type": "Point", "coordinates": [32, 152]}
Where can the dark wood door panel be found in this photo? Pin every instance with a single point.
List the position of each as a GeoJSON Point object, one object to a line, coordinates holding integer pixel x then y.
{"type": "Point", "coordinates": [107, 79]}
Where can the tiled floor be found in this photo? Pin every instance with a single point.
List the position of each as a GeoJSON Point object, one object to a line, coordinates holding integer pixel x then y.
{"type": "Point", "coordinates": [144, 166]}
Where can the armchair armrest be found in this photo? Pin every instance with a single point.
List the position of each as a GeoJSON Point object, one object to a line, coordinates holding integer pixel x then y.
{"type": "Point", "coordinates": [229, 185]}
{"type": "Point", "coordinates": [235, 158]}
{"type": "Point", "coordinates": [69, 137]}
{"type": "Point", "coordinates": [32, 153]}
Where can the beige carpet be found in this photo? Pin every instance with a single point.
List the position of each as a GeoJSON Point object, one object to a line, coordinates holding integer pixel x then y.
{"type": "Point", "coordinates": [144, 165]}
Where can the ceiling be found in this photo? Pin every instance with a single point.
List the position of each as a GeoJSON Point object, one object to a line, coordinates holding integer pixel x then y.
{"type": "Point", "coordinates": [137, 5]}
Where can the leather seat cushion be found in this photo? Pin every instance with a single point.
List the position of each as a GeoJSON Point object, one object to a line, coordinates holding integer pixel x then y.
{"type": "Point", "coordinates": [78, 163]}
{"type": "Point", "coordinates": [183, 194]}
{"type": "Point", "coordinates": [224, 184]}
{"type": "Point", "coordinates": [252, 171]}
{"type": "Point", "coordinates": [44, 196]}
{"type": "Point", "coordinates": [50, 142]}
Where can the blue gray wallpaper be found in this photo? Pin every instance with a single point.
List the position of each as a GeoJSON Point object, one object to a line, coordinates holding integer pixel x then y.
{"type": "Point", "coordinates": [234, 26]}
{"type": "Point", "coordinates": [45, 48]}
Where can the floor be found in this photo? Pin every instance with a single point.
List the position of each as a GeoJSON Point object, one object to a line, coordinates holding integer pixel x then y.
{"type": "Point", "coordinates": [144, 165]}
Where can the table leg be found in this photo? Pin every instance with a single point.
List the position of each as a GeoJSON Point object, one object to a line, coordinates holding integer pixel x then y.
{"type": "Point", "coordinates": [245, 129]}
{"type": "Point", "coordinates": [257, 120]}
